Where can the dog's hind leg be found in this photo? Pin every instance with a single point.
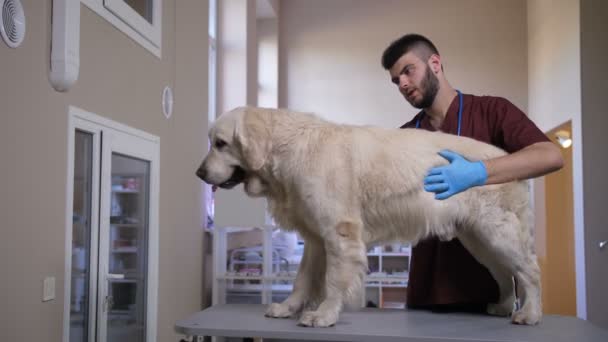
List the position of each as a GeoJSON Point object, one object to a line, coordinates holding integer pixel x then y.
{"type": "Point", "coordinates": [500, 273]}
{"type": "Point", "coordinates": [506, 300]}
{"type": "Point", "coordinates": [346, 263]}
{"type": "Point", "coordinates": [306, 291]}
{"type": "Point", "coordinates": [506, 236]}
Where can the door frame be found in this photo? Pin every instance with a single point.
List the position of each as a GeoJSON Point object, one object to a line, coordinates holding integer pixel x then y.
{"type": "Point", "coordinates": [74, 123]}
{"type": "Point", "coordinates": [97, 125]}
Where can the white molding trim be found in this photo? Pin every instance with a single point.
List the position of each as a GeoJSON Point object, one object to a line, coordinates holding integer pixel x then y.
{"type": "Point", "coordinates": [579, 219]}
{"type": "Point", "coordinates": [69, 207]}
{"type": "Point", "coordinates": [74, 123]}
{"type": "Point", "coordinates": [100, 120]}
{"type": "Point", "coordinates": [97, 125]}
{"type": "Point", "coordinates": [149, 30]}
{"type": "Point", "coordinates": [154, 47]}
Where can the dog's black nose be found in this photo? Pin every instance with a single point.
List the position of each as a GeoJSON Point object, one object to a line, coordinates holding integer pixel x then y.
{"type": "Point", "coordinates": [200, 173]}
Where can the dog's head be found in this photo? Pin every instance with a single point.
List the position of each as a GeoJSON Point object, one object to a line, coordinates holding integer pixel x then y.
{"type": "Point", "coordinates": [240, 144]}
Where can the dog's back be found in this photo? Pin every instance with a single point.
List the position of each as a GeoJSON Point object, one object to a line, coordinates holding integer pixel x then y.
{"type": "Point", "coordinates": [389, 166]}
{"type": "Point", "coordinates": [381, 171]}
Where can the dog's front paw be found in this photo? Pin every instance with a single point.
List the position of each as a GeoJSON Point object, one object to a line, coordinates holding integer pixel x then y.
{"type": "Point", "coordinates": [318, 318]}
{"type": "Point", "coordinates": [279, 310]}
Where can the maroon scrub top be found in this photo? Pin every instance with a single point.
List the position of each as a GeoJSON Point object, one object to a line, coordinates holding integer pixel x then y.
{"type": "Point", "coordinates": [445, 275]}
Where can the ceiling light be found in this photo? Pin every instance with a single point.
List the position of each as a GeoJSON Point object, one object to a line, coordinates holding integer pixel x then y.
{"type": "Point", "coordinates": [563, 138]}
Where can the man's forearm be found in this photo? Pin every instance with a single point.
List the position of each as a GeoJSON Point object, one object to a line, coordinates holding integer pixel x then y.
{"type": "Point", "coordinates": [533, 161]}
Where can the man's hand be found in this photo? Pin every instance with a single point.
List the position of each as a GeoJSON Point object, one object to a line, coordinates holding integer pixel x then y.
{"type": "Point", "coordinates": [456, 177]}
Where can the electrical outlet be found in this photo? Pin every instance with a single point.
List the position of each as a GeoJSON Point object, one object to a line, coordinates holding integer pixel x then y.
{"type": "Point", "coordinates": [48, 289]}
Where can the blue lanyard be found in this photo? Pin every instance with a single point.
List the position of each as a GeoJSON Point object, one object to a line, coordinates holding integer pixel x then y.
{"type": "Point", "coordinates": [459, 112]}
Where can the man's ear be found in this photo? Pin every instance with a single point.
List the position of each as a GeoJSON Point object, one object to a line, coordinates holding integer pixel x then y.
{"type": "Point", "coordinates": [252, 133]}
{"type": "Point", "coordinates": [435, 63]}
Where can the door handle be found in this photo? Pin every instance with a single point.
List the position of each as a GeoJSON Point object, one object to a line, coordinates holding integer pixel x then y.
{"type": "Point", "coordinates": [115, 276]}
{"type": "Point", "coordinates": [603, 244]}
{"type": "Point", "coordinates": [108, 303]}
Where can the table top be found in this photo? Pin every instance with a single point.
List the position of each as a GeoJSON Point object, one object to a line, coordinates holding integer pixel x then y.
{"type": "Point", "coordinates": [386, 325]}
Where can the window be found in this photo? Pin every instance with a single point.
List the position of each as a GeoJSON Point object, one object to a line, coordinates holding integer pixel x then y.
{"type": "Point", "coordinates": [138, 19]}
{"type": "Point", "coordinates": [209, 210]}
{"type": "Point", "coordinates": [212, 60]}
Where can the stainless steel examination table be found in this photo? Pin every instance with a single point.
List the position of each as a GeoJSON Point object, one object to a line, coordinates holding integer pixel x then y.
{"type": "Point", "coordinates": [381, 325]}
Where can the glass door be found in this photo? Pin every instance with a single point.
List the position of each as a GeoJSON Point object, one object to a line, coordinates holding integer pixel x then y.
{"type": "Point", "coordinates": [112, 232]}
{"type": "Point", "coordinates": [126, 252]}
{"type": "Point", "coordinates": [82, 247]}
{"type": "Point", "coordinates": [127, 249]}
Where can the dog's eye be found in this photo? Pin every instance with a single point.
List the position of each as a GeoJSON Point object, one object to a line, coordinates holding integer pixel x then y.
{"type": "Point", "coordinates": [219, 143]}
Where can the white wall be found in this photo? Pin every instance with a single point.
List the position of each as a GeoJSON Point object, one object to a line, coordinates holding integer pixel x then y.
{"type": "Point", "coordinates": [554, 68]}
{"type": "Point", "coordinates": [237, 54]}
{"type": "Point", "coordinates": [554, 78]}
{"type": "Point", "coordinates": [252, 53]}
{"type": "Point", "coordinates": [268, 61]}
{"type": "Point", "coordinates": [330, 53]}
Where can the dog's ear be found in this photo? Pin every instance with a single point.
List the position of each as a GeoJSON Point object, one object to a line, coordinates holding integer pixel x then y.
{"type": "Point", "coordinates": [252, 133]}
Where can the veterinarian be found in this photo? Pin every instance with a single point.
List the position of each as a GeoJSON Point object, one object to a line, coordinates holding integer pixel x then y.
{"type": "Point", "coordinates": [443, 275]}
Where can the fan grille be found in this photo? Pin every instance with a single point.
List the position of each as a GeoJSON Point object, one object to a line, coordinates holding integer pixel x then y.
{"type": "Point", "coordinates": [13, 22]}
{"type": "Point", "coordinates": [8, 11]}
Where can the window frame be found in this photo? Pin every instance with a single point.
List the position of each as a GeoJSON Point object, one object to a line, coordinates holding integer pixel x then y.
{"type": "Point", "coordinates": [209, 209]}
{"type": "Point", "coordinates": [127, 20]}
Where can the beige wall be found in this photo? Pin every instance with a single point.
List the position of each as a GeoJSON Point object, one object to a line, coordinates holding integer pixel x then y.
{"type": "Point", "coordinates": [330, 53]}
{"type": "Point", "coordinates": [237, 54]}
{"type": "Point", "coordinates": [122, 81]}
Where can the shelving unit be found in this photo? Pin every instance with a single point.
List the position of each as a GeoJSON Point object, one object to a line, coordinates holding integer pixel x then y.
{"type": "Point", "coordinates": [127, 249]}
{"type": "Point", "coordinates": [253, 274]}
{"type": "Point", "coordinates": [264, 278]}
{"type": "Point", "coordinates": [386, 283]}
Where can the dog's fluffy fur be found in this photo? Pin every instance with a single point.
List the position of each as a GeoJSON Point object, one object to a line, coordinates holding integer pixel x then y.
{"type": "Point", "coordinates": [345, 188]}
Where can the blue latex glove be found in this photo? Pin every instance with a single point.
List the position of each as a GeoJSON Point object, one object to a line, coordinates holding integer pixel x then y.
{"type": "Point", "coordinates": [456, 177]}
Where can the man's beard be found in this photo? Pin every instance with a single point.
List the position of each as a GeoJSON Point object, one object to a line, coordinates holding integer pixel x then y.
{"type": "Point", "coordinates": [429, 88]}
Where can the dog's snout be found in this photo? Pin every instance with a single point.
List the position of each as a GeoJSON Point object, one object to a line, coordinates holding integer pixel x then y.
{"type": "Point", "coordinates": [200, 173]}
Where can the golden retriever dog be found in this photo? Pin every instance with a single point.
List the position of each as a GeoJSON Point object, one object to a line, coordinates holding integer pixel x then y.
{"type": "Point", "coordinates": [345, 188]}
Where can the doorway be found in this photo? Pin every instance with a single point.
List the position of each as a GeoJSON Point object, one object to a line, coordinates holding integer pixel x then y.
{"type": "Point", "coordinates": [558, 262]}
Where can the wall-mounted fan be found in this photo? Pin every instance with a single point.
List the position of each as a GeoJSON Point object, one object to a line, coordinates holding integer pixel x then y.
{"type": "Point", "coordinates": [12, 22]}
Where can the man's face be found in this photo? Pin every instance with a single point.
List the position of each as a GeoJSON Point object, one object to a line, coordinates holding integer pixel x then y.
{"type": "Point", "coordinates": [417, 83]}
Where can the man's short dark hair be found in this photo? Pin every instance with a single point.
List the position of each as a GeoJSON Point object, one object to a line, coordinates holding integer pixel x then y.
{"type": "Point", "coordinates": [420, 45]}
